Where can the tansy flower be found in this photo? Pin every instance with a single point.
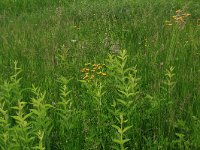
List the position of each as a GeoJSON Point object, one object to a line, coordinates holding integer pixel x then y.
{"type": "Point", "coordinates": [85, 77]}
{"type": "Point", "coordinates": [92, 76]}
{"type": "Point", "coordinates": [94, 65]}
{"type": "Point", "coordinates": [103, 74]}
{"type": "Point", "coordinates": [87, 64]}
{"type": "Point", "coordinates": [179, 11]}
{"type": "Point", "coordinates": [99, 67]}
{"type": "Point", "coordinates": [83, 70]}
{"type": "Point", "coordinates": [87, 69]}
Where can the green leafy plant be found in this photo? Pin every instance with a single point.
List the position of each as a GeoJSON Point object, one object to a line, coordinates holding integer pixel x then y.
{"type": "Point", "coordinates": [95, 96]}
{"type": "Point", "coordinates": [39, 114]}
{"type": "Point", "coordinates": [126, 89]}
{"type": "Point", "coordinates": [10, 90]}
{"type": "Point", "coordinates": [120, 139]}
{"type": "Point", "coordinates": [40, 136]}
{"type": "Point", "coordinates": [64, 113]}
{"type": "Point", "coordinates": [5, 134]}
{"type": "Point", "coordinates": [22, 137]}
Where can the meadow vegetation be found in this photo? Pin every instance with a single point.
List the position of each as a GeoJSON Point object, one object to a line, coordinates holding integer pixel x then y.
{"type": "Point", "coordinates": [99, 74]}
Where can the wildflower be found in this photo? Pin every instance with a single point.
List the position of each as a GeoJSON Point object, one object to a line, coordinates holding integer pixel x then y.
{"type": "Point", "coordinates": [85, 77]}
{"type": "Point", "coordinates": [174, 17]}
{"type": "Point", "coordinates": [188, 15]}
{"type": "Point", "coordinates": [179, 11]}
{"type": "Point", "coordinates": [92, 76]}
{"type": "Point", "coordinates": [90, 72]}
{"type": "Point", "coordinates": [87, 64]}
{"type": "Point", "coordinates": [93, 70]}
{"type": "Point", "coordinates": [103, 74]}
{"type": "Point", "coordinates": [99, 67]}
{"type": "Point", "coordinates": [83, 70]}
{"type": "Point", "coordinates": [179, 18]}
{"type": "Point", "coordinates": [94, 65]}
{"type": "Point", "coordinates": [87, 69]}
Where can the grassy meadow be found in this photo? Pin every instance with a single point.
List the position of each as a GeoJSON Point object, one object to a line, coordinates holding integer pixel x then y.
{"type": "Point", "coordinates": [99, 74]}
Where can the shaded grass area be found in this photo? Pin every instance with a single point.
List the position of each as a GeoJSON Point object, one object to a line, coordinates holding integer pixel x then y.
{"type": "Point", "coordinates": [54, 38]}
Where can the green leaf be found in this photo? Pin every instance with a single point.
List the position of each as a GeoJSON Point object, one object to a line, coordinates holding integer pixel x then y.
{"type": "Point", "coordinates": [118, 141]}
{"type": "Point", "coordinates": [115, 147]}
{"type": "Point", "coordinates": [114, 104]}
{"type": "Point", "coordinates": [125, 129]}
{"type": "Point", "coordinates": [48, 106]}
{"type": "Point", "coordinates": [27, 116]}
{"type": "Point", "coordinates": [34, 111]}
{"type": "Point", "coordinates": [15, 107]}
{"type": "Point", "coordinates": [121, 142]}
{"type": "Point", "coordinates": [180, 135]}
{"type": "Point", "coordinates": [125, 140]}
{"type": "Point", "coordinates": [122, 101]}
{"type": "Point", "coordinates": [125, 121]}
{"type": "Point", "coordinates": [118, 129]}
{"type": "Point", "coordinates": [17, 118]}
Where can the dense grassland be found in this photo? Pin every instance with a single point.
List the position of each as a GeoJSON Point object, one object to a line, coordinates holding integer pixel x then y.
{"type": "Point", "coordinates": [99, 74]}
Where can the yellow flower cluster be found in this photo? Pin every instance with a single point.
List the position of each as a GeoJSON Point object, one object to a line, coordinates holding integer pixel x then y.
{"type": "Point", "coordinates": [180, 18]}
{"type": "Point", "coordinates": [92, 71]}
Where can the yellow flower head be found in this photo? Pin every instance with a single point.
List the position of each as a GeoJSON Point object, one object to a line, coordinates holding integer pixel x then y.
{"type": "Point", "coordinates": [87, 64]}
{"type": "Point", "coordinates": [92, 76]}
{"type": "Point", "coordinates": [87, 69]}
{"type": "Point", "coordinates": [83, 70]}
{"type": "Point", "coordinates": [103, 74]}
{"type": "Point", "coordinates": [99, 67]}
{"type": "Point", "coordinates": [93, 70]}
{"type": "Point", "coordinates": [85, 77]}
{"type": "Point", "coordinates": [94, 65]}
{"type": "Point", "coordinates": [179, 11]}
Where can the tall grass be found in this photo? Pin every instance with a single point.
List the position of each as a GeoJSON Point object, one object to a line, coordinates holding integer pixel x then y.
{"type": "Point", "coordinates": [99, 74]}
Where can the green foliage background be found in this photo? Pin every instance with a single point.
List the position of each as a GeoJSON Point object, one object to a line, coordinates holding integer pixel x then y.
{"type": "Point", "coordinates": [45, 104]}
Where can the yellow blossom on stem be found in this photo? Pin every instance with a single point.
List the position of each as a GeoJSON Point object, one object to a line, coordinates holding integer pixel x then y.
{"type": "Point", "coordinates": [93, 70]}
{"type": "Point", "coordinates": [94, 65]}
{"type": "Point", "coordinates": [103, 74]}
{"type": "Point", "coordinates": [83, 70]}
{"type": "Point", "coordinates": [85, 77]}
